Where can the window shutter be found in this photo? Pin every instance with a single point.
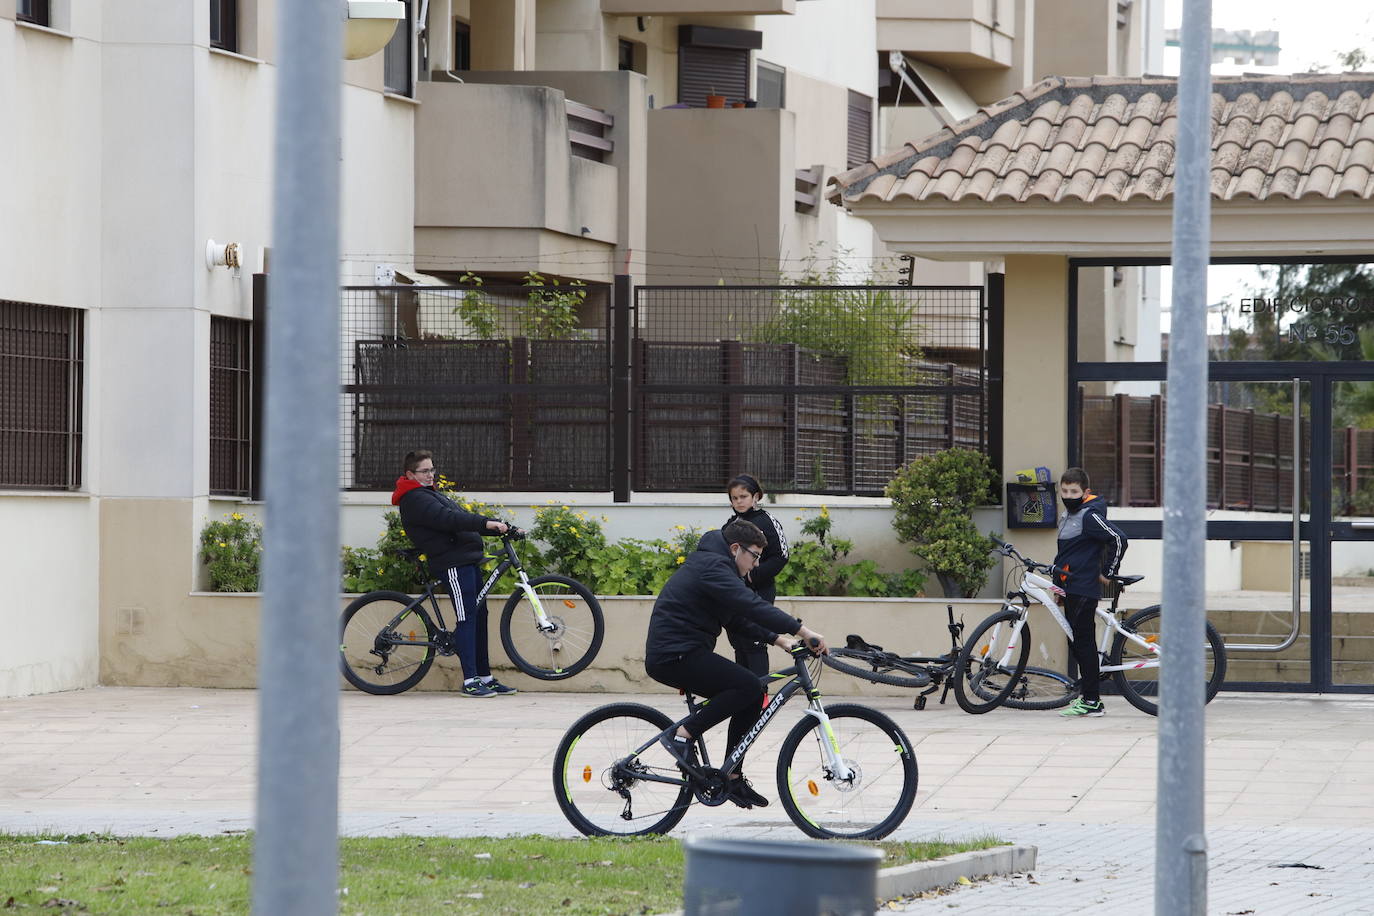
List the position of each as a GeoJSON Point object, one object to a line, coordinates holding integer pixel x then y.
{"type": "Point", "coordinates": [701, 70]}
{"type": "Point", "coordinates": [860, 148]}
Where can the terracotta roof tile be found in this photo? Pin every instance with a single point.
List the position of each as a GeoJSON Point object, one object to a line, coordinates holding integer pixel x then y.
{"type": "Point", "coordinates": [1085, 138]}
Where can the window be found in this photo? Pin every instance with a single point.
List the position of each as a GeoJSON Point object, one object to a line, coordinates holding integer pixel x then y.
{"type": "Point", "coordinates": [769, 83]}
{"type": "Point", "coordinates": [632, 56]}
{"type": "Point", "coordinates": [396, 62]}
{"type": "Point", "coordinates": [462, 46]}
{"type": "Point", "coordinates": [860, 147]}
{"type": "Point", "coordinates": [714, 61]}
{"type": "Point", "coordinates": [231, 406]}
{"type": "Point", "coordinates": [41, 358]}
{"type": "Point", "coordinates": [224, 25]}
{"type": "Point", "coordinates": [35, 11]}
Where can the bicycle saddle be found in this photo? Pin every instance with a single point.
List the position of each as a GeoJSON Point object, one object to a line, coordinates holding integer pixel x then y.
{"type": "Point", "coordinates": [1124, 581]}
{"type": "Point", "coordinates": [854, 641]}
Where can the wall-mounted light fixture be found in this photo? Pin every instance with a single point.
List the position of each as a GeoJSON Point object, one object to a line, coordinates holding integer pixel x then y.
{"type": "Point", "coordinates": [371, 23]}
{"type": "Point", "coordinates": [221, 254]}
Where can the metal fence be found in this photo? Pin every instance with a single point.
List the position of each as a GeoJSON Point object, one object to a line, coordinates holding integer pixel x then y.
{"type": "Point", "coordinates": [812, 389]}
{"type": "Point", "coordinates": [42, 355]}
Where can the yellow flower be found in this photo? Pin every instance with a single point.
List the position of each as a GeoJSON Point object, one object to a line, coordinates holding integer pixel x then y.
{"type": "Point", "coordinates": [423, 557]}
{"type": "Point", "coordinates": [572, 529]}
{"type": "Point", "coordinates": [555, 524]}
{"type": "Point", "coordinates": [222, 544]}
{"type": "Point", "coordinates": [681, 559]}
{"type": "Point", "coordinates": [237, 517]}
{"type": "Point", "coordinates": [403, 532]}
{"type": "Point", "coordinates": [679, 527]}
{"type": "Point", "coordinates": [380, 570]}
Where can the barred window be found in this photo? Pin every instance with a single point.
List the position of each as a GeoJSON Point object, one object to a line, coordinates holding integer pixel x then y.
{"type": "Point", "coordinates": [231, 406]}
{"type": "Point", "coordinates": [41, 359]}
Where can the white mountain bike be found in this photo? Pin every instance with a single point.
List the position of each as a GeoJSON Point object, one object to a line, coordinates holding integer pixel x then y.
{"type": "Point", "coordinates": [991, 667]}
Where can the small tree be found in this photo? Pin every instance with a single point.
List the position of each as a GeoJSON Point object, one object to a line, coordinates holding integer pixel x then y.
{"type": "Point", "coordinates": [933, 498]}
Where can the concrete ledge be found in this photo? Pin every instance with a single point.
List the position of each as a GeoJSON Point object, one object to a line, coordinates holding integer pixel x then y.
{"type": "Point", "coordinates": [918, 877]}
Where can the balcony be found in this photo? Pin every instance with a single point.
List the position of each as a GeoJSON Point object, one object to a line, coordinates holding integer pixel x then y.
{"type": "Point", "coordinates": [697, 7]}
{"type": "Point", "coordinates": [514, 172]}
{"type": "Point", "coordinates": [955, 34]}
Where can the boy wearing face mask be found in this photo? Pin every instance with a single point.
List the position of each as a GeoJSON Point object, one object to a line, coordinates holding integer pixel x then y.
{"type": "Point", "coordinates": [1090, 550]}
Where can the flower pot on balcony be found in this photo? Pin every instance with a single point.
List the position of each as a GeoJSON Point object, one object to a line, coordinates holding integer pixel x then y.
{"type": "Point", "coordinates": [736, 104]}
{"type": "Point", "coordinates": [715, 101]}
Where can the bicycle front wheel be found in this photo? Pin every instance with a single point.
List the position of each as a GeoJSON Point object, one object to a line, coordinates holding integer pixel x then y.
{"type": "Point", "coordinates": [1041, 688]}
{"type": "Point", "coordinates": [598, 778]}
{"type": "Point", "coordinates": [981, 681]}
{"type": "Point", "coordinates": [881, 785]}
{"type": "Point", "coordinates": [1139, 681]}
{"type": "Point", "coordinates": [871, 666]}
{"type": "Point", "coordinates": [568, 642]}
{"type": "Point", "coordinates": [385, 646]}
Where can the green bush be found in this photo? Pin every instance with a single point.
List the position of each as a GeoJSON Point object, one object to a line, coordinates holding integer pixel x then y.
{"type": "Point", "coordinates": [933, 498]}
{"type": "Point", "coordinates": [817, 567]}
{"type": "Point", "coordinates": [232, 553]}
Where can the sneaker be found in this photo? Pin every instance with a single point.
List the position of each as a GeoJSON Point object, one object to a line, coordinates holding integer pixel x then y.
{"type": "Point", "coordinates": [500, 689]}
{"type": "Point", "coordinates": [742, 793]}
{"type": "Point", "coordinates": [477, 689]}
{"type": "Point", "coordinates": [683, 750]}
{"type": "Point", "coordinates": [1081, 708]}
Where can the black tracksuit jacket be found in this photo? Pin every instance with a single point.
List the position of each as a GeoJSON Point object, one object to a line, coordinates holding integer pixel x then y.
{"type": "Point", "coordinates": [705, 594]}
{"type": "Point", "coordinates": [444, 533]}
{"type": "Point", "coordinates": [1089, 546]}
{"type": "Point", "coordinates": [774, 554]}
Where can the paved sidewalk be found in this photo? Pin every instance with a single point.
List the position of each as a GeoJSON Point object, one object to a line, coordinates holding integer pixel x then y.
{"type": "Point", "coordinates": [1290, 780]}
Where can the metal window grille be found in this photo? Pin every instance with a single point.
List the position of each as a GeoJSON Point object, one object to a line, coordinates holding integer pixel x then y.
{"type": "Point", "coordinates": [396, 58]}
{"type": "Point", "coordinates": [819, 389]}
{"type": "Point", "coordinates": [231, 412]}
{"type": "Point", "coordinates": [224, 24]}
{"type": "Point", "coordinates": [41, 378]}
{"type": "Point", "coordinates": [474, 375]}
{"type": "Point", "coordinates": [36, 11]}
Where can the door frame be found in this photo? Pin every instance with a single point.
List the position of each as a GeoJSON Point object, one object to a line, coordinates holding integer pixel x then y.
{"type": "Point", "coordinates": [1319, 530]}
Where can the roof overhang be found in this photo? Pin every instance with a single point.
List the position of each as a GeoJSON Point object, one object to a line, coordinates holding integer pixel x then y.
{"type": "Point", "coordinates": [966, 231]}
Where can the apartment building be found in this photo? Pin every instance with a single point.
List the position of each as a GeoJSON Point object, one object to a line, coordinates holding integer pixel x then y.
{"type": "Point", "coordinates": [677, 141]}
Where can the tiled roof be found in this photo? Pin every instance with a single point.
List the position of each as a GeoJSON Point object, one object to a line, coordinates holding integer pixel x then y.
{"type": "Point", "coordinates": [1089, 139]}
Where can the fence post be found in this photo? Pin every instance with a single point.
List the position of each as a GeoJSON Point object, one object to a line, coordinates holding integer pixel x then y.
{"type": "Point", "coordinates": [621, 380]}
{"type": "Point", "coordinates": [733, 353]}
{"type": "Point", "coordinates": [1123, 449]}
{"type": "Point", "coordinates": [522, 444]}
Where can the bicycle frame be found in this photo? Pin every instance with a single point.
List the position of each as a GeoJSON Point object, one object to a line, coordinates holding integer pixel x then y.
{"type": "Point", "coordinates": [800, 680]}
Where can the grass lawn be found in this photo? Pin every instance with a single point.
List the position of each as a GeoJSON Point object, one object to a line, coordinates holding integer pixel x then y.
{"type": "Point", "coordinates": [211, 876]}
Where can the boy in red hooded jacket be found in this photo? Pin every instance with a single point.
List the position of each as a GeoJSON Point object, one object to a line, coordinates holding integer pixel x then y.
{"type": "Point", "coordinates": [452, 541]}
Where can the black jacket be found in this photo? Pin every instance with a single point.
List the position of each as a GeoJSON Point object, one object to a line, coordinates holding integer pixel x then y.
{"type": "Point", "coordinates": [446, 534]}
{"type": "Point", "coordinates": [704, 595]}
{"type": "Point", "coordinates": [1089, 546]}
{"type": "Point", "coordinates": [774, 555]}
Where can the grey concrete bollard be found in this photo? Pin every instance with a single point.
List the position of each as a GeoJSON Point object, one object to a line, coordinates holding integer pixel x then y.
{"type": "Point", "coordinates": [778, 878]}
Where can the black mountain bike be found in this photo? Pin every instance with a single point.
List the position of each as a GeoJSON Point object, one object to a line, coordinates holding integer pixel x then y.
{"type": "Point", "coordinates": [551, 627]}
{"type": "Point", "coordinates": [847, 772]}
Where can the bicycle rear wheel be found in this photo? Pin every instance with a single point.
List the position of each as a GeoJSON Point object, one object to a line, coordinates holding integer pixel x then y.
{"type": "Point", "coordinates": [1041, 688]}
{"type": "Point", "coordinates": [577, 627]}
{"type": "Point", "coordinates": [1140, 684]}
{"type": "Point", "coordinates": [598, 782]}
{"type": "Point", "coordinates": [981, 683]}
{"type": "Point", "coordinates": [877, 667]}
{"type": "Point", "coordinates": [869, 805]}
{"type": "Point", "coordinates": [383, 648]}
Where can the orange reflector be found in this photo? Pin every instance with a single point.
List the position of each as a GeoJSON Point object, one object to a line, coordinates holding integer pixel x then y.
{"type": "Point", "coordinates": [412, 634]}
{"type": "Point", "coordinates": [812, 787]}
{"type": "Point", "coordinates": [1152, 639]}
{"type": "Point", "coordinates": [983, 651]}
{"type": "Point", "coordinates": [569, 603]}
{"type": "Point", "coordinates": [586, 774]}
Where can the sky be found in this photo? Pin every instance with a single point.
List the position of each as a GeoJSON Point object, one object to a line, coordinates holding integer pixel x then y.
{"type": "Point", "coordinates": [1312, 33]}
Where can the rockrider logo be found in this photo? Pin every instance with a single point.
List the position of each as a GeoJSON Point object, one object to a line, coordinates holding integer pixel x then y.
{"type": "Point", "coordinates": [754, 732]}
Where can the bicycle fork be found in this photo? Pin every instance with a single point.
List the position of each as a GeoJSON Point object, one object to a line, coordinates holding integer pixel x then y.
{"type": "Point", "coordinates": [542, 620]}
{"type": "Point", "coordinates": [835, 764]}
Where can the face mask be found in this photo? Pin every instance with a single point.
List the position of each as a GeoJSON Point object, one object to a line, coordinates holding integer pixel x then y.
{"type": "Point", "coordinates": [1072, 503]}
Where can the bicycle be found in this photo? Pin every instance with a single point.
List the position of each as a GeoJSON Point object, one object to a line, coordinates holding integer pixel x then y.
{"type": "Point", "coordinates": [1132, 661]}
{"type": "Point", "coordinates": [855, 778]}
{"type": "Point", "coordinates": [551, 628]}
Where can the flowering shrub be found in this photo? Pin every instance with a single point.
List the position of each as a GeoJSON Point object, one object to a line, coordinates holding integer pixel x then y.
{"type": "Point", "coordinates": [818, 568]}
{"type": "Point", "coordinates": [232, 552]}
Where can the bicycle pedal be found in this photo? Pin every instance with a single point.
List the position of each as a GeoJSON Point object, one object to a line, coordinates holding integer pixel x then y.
{"type": "Point", "coordinates": [919, 704]}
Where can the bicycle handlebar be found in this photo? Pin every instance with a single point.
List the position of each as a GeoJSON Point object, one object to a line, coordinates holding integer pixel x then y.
{"type": "Point", "coordinates": [1009, 551]}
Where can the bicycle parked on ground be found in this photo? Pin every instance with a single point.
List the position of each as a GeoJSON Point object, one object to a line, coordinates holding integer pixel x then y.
{"type": "Point", "coordinates": [1130, 650]}
{"type": "Point", "coordinates": [551, 627]}
{"type": "Point", "coordinates": [848, 772]}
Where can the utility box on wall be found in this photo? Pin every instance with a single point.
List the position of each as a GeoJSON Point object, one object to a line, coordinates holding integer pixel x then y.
{"type": "Point", "coordinates": [1031, 505]}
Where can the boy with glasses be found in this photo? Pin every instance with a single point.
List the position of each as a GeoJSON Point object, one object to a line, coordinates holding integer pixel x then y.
{"type": "Point", "coordinates": [451, 539]}
{"type": "Point", "coordinates": [705, 594]}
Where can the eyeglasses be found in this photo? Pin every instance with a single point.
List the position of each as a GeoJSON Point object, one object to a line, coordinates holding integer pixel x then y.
{"type": "Point", "coordinates": [756, 554]}
{"type": "Point", "coordinates": [418, 471]}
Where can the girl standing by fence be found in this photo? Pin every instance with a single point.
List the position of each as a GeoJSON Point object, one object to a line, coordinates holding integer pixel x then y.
{"type": "Point", "coordinates": [745, 493]}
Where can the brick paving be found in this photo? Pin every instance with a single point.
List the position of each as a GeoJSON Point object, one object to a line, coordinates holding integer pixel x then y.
{"type": "Point", "coordinates": [1289, 781]}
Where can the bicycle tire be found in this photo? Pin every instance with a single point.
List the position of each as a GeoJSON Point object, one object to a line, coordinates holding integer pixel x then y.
{"type": "Point", "coordinates": [981, 685]}
{"type": "Point", "coordinates": [870, 806]}
{"type": "Point", "coordinates": [912, 676]}
{"type": "Point", "coordinates": [367, 665]}
{"type": "Point", "coordinates": [587, 783]}
{"type": "Point", "coordinates": [1140, 686]}
{"type": "Point", "coordinates": [580, 627]}
{"type": "Point", "coordinates": [1041, 688]}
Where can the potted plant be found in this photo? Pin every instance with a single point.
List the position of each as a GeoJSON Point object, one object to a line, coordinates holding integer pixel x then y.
{"type": "Point", "coordinates": [713, 100]}
{"type": "Point", "coordinates": [933, 498]}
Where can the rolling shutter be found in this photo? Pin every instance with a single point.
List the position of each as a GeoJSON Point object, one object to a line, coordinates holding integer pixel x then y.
{"type": "Point", "coordinates": [860, 146]}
